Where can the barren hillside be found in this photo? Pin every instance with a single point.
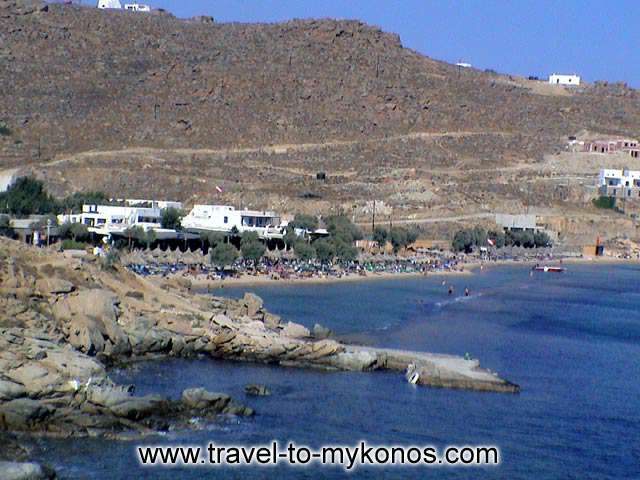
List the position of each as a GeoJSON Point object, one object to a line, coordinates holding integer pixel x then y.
{"type": "Point", "coordinates": [150, 105]}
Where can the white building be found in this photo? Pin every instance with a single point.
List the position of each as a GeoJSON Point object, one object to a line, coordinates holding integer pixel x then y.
{"type": "Point", "coordinates": [113, 220]}
{"type": "Point", "coordinates": [104, 4]}
{"type": "Point", "coordinates": [222, 218]}
{"type": "Point", "coordinates": [622, 178]}
{"type": "Point", "coordinates": [558, 79]}
{"type": "Point", "coordinates": [137, 7]}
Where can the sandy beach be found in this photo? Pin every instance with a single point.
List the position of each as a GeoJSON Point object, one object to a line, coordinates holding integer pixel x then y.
{"type": "Point", "coordinates": [248, 280]}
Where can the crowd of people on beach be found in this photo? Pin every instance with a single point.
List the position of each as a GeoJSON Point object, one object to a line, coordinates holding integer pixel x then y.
{"type": "Point", "coordinates": [291, 268]}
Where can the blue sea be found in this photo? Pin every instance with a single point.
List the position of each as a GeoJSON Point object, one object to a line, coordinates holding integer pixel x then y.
{"type": "Point", "coordinates": [571, 341]}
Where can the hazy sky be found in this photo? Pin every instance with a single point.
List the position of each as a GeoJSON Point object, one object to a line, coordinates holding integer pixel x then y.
{"type": "Point", "coordinates": [597, 39]}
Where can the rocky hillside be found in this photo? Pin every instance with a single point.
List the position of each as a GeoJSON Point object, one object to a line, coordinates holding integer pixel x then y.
{"type": "Point", "coordinates": [172, 107]}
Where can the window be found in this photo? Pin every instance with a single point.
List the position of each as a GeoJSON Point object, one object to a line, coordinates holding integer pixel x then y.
{"type": "Point", "coordinates": [226, 219]}
{"type": "Point", "coordinates": [101, 221]}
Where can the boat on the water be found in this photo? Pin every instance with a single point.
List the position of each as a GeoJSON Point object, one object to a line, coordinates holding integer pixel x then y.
{"type": "Point", "coordinates": [546, 268]}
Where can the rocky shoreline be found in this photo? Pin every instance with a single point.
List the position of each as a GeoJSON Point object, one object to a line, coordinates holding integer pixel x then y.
{"type": "Point", "coordinates": [65, 321]}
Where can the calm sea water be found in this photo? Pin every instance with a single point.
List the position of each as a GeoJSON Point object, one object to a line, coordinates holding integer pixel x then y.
{"type": "Point", "coordinates": [572, 341]}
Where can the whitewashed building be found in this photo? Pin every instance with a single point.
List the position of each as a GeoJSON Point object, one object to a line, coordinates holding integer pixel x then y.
{"type": "Point", "coordinates": [223, 218]}
{"type": "Point", "coordinates": [109, 4]}
{"type": "Point", "coordinates": [559, 79]}
{"type": "Point", "coordinates": [114, 220]}
{"type": "Point", "coordinates": [619, 183]}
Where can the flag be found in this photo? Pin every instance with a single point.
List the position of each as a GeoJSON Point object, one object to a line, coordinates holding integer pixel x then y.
{"type": "Point", "coordinates": [491, 242]}
{"type": "Point", "coordinates": [219, 188]}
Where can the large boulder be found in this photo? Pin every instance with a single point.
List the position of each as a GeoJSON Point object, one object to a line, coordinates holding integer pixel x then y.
{"type": "Point", "coordinates": [257, 390]}
{"type": "Point", "coordinates": [199, 398]}
{"type": "Point", "coordinates": [356, 360]}
{"type": "Point", "coordinates": [295, 330]}
{"type": "Point", "coordinates": [90, 322]}
{"type": "Point", "coordinates": [252, 303]}
{"type": "Point", "coordinates": [10, 390]}
{"type": "Point", "coordinates": [122, 404]}
{"type": "Point", "coordinates": [53, 286]}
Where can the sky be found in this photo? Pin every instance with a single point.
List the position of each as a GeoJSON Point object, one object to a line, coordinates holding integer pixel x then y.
{"type": "Point", "coordinates": [597, 39]}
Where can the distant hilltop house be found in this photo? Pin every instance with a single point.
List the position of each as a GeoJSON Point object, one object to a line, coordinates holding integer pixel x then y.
{"type": "Point", "coordinates": [558, 79]}
{"type": "Point", "coordinates": [463, 65]}
{"type": "Point", "coordinates": [619, 183]}
{"type": "Point", "coordinates": [629, 146]}
{"type": "Point", "coordinates": [116, 5]}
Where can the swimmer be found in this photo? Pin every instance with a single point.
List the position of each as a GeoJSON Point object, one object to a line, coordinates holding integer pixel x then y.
{"type": "Point", "coordinates": [450, 290]}
{"type": "Point", "coordinates": [466, 292]}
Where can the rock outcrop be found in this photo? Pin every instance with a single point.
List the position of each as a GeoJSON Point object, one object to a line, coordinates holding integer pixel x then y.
{"type": "Point", "coordinates": [61, 325]}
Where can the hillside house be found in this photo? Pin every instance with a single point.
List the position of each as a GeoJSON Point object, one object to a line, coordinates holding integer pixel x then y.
{"type": "Point", "coordinates": [567, 80]}
{"type": "Point", "coordinates": [619, 183]}
{"type": "Point", "coordinates": [611, 145]}
{"type": "Point", "coordinates": [109, 4]}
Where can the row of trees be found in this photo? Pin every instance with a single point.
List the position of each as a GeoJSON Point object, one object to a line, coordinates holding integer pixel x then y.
{"type": "Point", "coordinates": [466, 239]}
{"type": "Point", "coordinates": [399, 237]}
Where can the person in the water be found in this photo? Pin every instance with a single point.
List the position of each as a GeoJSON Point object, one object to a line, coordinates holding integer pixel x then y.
{"type": "Point", "coordinates": [450, 289]}
{"type": "Point", "coordinates": [466, 292]}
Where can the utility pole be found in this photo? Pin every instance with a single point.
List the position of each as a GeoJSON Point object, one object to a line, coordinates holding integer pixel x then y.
{"type": "Point", "coordinates": [48, 231]}
{"type": "Point", "coordinates": [373, 217]}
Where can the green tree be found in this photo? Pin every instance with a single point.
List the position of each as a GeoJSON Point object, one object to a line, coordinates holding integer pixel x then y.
{"type": "Point", "coordinates": [223, 254]}
{"type": "Point", "coordinates": [345, 252]}
{"type": "Point", "coordinates": [290, 238]}
{"type": "Point", "coordinates": [306, 222]}
{"type": "Point", "coordinates": [412, 235]}
{"type": "Point", "coordinates": [78, 232]}
{"type": "Point", "coordinates": [134, 235]}
{"type": "Point", "coordinates": [463, 241]}
{"type": "Point", "coordinates": [212, 238]}
{"type": "Point", "coordinates": [5, 227]}
{"type": "Point", "coordinates": [304, 251]}
{"type": "Point", "coordinates": [27, 196]}
{"type": "Point", "coordinates": [398, 237]}
{"type": "Point", "coordinates": [380, 236]}
{"type": "Point", "coordinates": [541, 239]}
{"type": "Point", "coordinates": [324, 250]}
{"type": "Point", "coordinates": [172, 218]}
{"type": "Point", "coordinates": [341, 227]}
{"type": "Point", "coordinates": [251, 247]}
{"type": "Point", "coordinates": [74, 202]}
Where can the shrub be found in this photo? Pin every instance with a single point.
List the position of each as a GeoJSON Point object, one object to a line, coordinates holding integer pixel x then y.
{"type": "Point", "coordinates": [5, 131]}
{"type": "Point", "coordinates": [223, 254]}
{"type": "Point", "coordinates": [5, 227]}
{"type": "Point", "coordinates": [110, 259]}
{"type": "Point", "coordinates": [73, 245]}
{"type": "Point", "coordinates": [604, 202]}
